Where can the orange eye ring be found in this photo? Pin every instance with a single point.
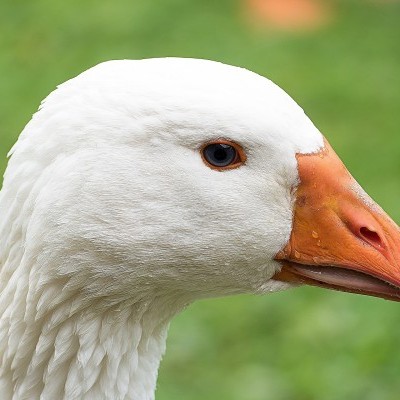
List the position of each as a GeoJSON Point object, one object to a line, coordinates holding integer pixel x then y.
{"type": "Point", "coordinates": [222, 154]}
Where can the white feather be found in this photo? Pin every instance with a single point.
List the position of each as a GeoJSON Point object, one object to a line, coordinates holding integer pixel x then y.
{"type": "Point", "coordinates": [110, 222]}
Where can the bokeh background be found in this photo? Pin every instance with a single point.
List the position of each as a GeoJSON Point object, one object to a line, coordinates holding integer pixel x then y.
{"type": "Point", "coordinates": [341, 62]}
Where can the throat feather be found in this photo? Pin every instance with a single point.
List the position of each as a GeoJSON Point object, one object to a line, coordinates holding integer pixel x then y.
{"type": "Point", "coordinates": [114, 354]}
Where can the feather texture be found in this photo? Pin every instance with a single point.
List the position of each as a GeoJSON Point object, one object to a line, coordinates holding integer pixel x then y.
{"type": "Point", "coordinates": [110, 223]}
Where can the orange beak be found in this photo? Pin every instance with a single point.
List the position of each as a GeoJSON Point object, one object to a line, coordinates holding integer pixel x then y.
{"type": "Point", "coordinates": [340, 238]}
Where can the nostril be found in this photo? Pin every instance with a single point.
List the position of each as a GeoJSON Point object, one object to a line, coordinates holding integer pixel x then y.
{"type": "Point", "coordinates": [366, 227]}
{"type": "Point", "coordinates": [371, 237]}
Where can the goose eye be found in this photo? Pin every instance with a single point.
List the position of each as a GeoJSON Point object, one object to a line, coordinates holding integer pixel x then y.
{"type": "Point", "coordinates": [222, 155]}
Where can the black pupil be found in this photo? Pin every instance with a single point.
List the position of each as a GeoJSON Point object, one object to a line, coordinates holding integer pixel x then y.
{"type": "Point", "coordinates": [220, 155]}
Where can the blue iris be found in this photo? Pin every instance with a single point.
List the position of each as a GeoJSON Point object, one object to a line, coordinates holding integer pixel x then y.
{"type": "Point", "coordinates": [219, 155]}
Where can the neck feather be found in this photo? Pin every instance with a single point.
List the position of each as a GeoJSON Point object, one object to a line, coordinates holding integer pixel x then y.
{"type": "Point", "coordinates": [59, 342]}
{"type": "Point", "coordinates": [63, 353]}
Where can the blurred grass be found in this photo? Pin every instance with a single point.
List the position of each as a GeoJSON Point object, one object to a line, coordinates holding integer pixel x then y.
{"type": "Point", "coordinates": [302, 344]}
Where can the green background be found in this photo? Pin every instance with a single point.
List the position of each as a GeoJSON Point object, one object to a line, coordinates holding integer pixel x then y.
{"type": "Point", "coordinates": [302, 344]}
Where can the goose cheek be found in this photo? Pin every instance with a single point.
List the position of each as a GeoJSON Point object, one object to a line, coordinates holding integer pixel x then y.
{"type": "Point", "coordinates": [341, 239]}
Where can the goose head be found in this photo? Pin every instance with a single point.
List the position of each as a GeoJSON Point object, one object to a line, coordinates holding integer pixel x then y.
{"type": "Point", "coordinates": [179, 179]}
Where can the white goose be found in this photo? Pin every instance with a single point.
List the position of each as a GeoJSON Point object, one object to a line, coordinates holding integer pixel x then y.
{"type": "Point", "coordinates": [141, 186]}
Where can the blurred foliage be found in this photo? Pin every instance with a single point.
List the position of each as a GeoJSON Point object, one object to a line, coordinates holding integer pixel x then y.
{"type": "Point", "coordinates": [302, 344]}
